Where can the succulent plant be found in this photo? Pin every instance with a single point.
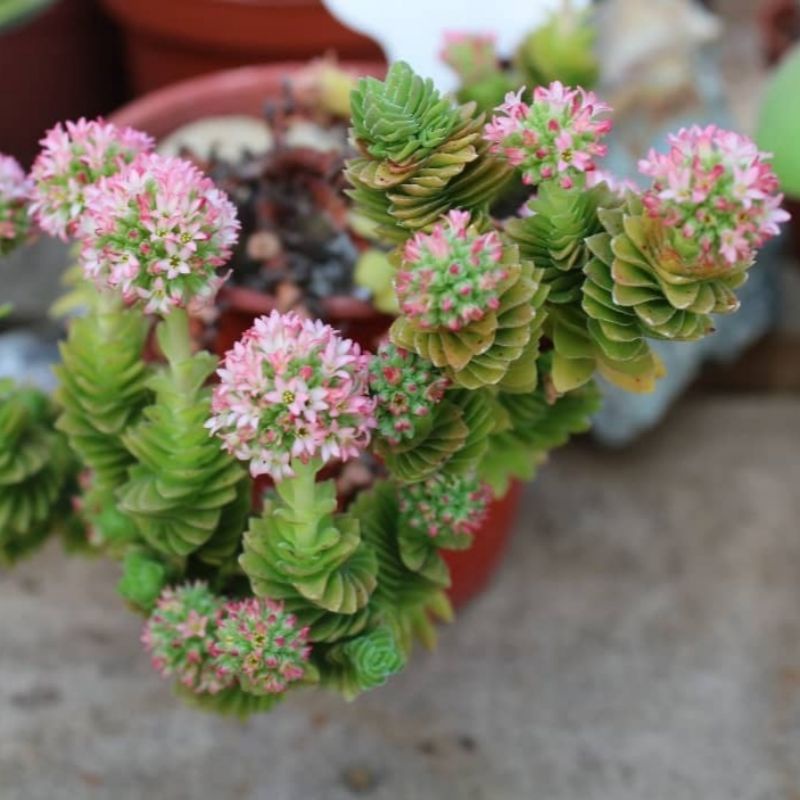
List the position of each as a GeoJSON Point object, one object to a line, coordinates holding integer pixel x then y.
{"type": "Point", "coordinates": [144, 576]}
{"type": "Point", "coordinates": [364, 662]}
{"type": "Point", "coordinates": [440, 513]}
{"type": "Point", "coordinates": [554, 231]}
{"type": "Point", "coordinates": [36, 471]}
{"type": "Point", "coordinates": [103, 388]}
{"type": "Point", "coordinates": [362, 469]}
{"type": "Point", "coordinates": [561, 49]}
{"type": "Point", "coordinates": [182, 481]}
{"type": "Point", "coordinates": [299, 551]}
{"type": "Point", "coordinates": [15, 193]}
{"type": "Point", "coordinates": [407, 389]}
{"type": "Point", "coordinates": [405, 186]}
{"type": "Point", "coordinates": [471, 306]}
{"type": "Point", "coordinates": [406, 600]}
{"type": "Point", "coordinates": [180, 635]}
{"type": "Point", "coordinates": [261, 645]}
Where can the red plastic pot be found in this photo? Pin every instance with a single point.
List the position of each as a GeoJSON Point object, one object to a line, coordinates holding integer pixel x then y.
{"type": "Point", "coordinates": [60, 63]}
{"type": "Point", "coordinates": [178, 39]}
{"type": "Point", "coordinates": [243, 91]}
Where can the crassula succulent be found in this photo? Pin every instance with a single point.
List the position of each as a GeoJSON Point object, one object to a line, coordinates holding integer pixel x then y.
{"type": "Point", "coordinates": [157, 230]}
{"type": "Point", "coordinates": [73, 158]}
{"type": "Point", "coordinates": [15, 193]}
{"type": "Point", "coordinates": [292, 389]}
{"type": "Point", "coordinates": [222, 485]}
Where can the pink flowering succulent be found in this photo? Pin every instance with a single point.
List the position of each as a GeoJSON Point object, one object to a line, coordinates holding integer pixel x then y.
{"type": "Point", "coordinates": [448, 508]}
{"type": "Point", "coordinates": [292, 388]}
{"type": "Point", "coordinates": [555, 137]}
{"type": "Point", "coordinates": [716, 194]}
{"type": "Point", "coordinates": [180, 636]}
{"type": "Point", "coordinates": [407, 388]}
{"type": "Point", "coordinates": [75, 156]}
{"type": "Point", "coordinates": [158, 231]}
{"type": "Point", "coordinates": [450, 277]}
{"type": "Point", "coordinates": [262, 645]}
{"type": "Point", "coordinates": [15, 194]}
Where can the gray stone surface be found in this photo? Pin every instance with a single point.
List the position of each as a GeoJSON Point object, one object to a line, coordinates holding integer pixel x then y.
{"type": "Point", "coordinates": [641, 642]}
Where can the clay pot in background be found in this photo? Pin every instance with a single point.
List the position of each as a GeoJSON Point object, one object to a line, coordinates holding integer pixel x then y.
{"type": "Point", "coordinates": [60, 63]}
{"type": "Point", "coordinates": [171, 40]}
{"type": "Point", "coordinates": [780, 27]}
{"type": "Point", "coordinates": [244, 91]}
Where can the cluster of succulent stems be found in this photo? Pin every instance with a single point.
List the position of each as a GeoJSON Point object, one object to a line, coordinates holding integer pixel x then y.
{"type": "Point", "coordinates": [503, 326]}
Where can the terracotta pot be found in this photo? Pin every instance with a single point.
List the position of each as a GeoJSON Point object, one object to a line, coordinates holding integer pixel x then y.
{"type": "Point", "coordinates": [178, 39]}
{"type": "Point", "coordinates": [243, 91]}
{"type": "Point", "coordinates": [60, 63]}
{"type": "Point", "coordinates": [780, 27]}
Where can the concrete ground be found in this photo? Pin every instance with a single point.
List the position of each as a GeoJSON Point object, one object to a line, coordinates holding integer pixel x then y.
{"type": "Point", "coordinates": [641, 641]}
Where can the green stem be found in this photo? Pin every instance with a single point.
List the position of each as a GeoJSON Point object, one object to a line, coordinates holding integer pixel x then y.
{"type": "Point", "coordinates": [175, 337]}
{"type": "Point", "coordinates": [300, 494]}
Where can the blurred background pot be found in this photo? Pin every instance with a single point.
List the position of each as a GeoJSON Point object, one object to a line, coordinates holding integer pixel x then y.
{"type": "Point", "coordinates": [171, 41]}
{"type": "Point", "coordinates": [58, 60]}
{"type": "Point", "coordinates": [243, 92]}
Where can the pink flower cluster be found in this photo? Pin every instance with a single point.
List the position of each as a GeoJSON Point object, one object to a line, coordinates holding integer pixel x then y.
{"type": "Point", "coordinates": [292, 388]}
{"type": "Point", "coordinates": [716, 191]}
{"type": "Point", "coordinates": [15, 193]}
{"type": "Point", "coordinates": [472, 56]}
{"type": "Point", "coordinates": [450, 277]}
{"type": "Point", "coordinates": [73, 158]}
{"type": "Point", "coordinates": [180, 636]}
{"type": "Point", "coordinates": [157, 231]}
{"type": "Point", "coordinates": [407, 388]}
{"type": "Point", "coordinates": [210, 645]}
{"type": "Point", "coordinates": [449, 508]}
{"type": "Point", "coordinates": [555, 137]}
{"type": "Point", "coordinates": [262, 645]}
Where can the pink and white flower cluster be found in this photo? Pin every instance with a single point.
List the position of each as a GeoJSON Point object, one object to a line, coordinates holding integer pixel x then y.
{"type": "Point", "coordinates": [74, 157]}
{"type": "Point", "coordinates": [210, 645]}
{"type": "Point", "coordinates": [292, 388]}
{"type": "Point", "coordinates": [180, 636]}
{"type": "Point", "coordinates": [262, 645]}
{"type": "Point", "coordinates": [157, 231]}
{"type": "Point", "coordinates": [472, 56]}
{"type": "Point", "coordinates": [407, 388]}
{"type": "Point", "coordinates": [556, 137]}
{"type": "Point", "coordinates": [449, 508]}
{"type": "Point", "coordinates": [15, 193]}
{"type": "Point", "coordinates": [714, 189]}
{"type": "Point", "coordinates": [450, 277]}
